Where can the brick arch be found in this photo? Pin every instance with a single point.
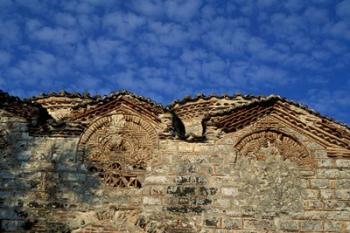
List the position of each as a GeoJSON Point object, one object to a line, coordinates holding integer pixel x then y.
{"type": "Point", "coordinates": [262, 143]}
{"type": "Point", "coordinates": [118, 148]}
{"type": "Point", "coordinates": [117, 118]}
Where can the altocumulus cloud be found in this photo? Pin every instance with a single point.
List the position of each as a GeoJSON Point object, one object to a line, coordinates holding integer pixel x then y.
{"type": "Point", "coordinates": [165, 49]}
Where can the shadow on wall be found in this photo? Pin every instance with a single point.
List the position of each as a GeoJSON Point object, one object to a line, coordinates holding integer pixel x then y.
{"type": "Point", "coordinates": [40, 183]}
{"type": "Point", "coordinates": [12, 184]}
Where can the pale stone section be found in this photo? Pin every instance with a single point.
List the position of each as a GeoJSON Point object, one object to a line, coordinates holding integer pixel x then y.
{"type": "Point", "coordinates": [60, 107]}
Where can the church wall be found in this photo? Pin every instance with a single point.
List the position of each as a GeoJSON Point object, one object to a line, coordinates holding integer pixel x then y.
{"type": "Point", "coordinates": [205, 186]}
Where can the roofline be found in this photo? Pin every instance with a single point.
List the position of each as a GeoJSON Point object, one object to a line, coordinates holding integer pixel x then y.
{"type": "Point", "coordinates": [188, 99]}
{"type": "Point", "coordinates": [263, 99]}
{"type": "Point", "coordinates": [114, 94]}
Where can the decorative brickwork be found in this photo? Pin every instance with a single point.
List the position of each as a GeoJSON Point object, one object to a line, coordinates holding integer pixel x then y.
{"type": "Point", "coordinates": [122, 163]}
{"type": "Point", "coordinates": [117, 148]}
{"type": "Point", "coordinates": [262, 144]}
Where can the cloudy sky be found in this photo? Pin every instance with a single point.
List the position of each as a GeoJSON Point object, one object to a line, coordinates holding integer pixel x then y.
{"type": "Point", "coordinates": [168, 49]}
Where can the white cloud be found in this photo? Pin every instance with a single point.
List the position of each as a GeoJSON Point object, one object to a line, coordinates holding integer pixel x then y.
{"type": "Point", "coordinates": [181, 10]}
{"type": "Point", "coordinates": [230, 41]}
{"type": "Point", "coordinates": [316, 15]}
{"type": "Point", "coordinates": [262, 51]}
{"type": "Point", "coordinates": [123, 24]}
{"type": "Point", "coordinates": [5, 58]}
{"type": "Point", "coordinates": [153, 51]}
{"type": "Point", "coordinates": [294, 5]}
{"type": "Point", "coordinates": [284, 25]}
{"type": "Point", "coordinates": [56, 35]}
{"type": "Point", "coordinates": [102, 51]}
{"type": "Point", "coordinates": [89, 23]}
{"type": "Point", "coordinates": [127, 80]}
{"type": "Point", "coordinates": [34, 6]}
{"type": "Point", "coordinates": [338, 30]}
{"type": "Point", "coordinates": [266, 3]}
{"type": "Point", "coordinates": [65, 19]}
{"type": "Point", "coordinates": [189, 56]}
{"type": "Point", "coordinates": [175, 10]}
{"type": "Point", "coordinates": [10, 33]}
{"type": "Point", "coordinates": [343, 9]}
{"type": "Point", "coordinates": [334, 46]}
{"type": "Point", "coordinates": [32, 25]}
{"type": "Point", "coordinates": [151, 8]}
{"type": "Point", "coordinates": [170, 34]}
{"type": "Point", "coordinates": [252, 77]}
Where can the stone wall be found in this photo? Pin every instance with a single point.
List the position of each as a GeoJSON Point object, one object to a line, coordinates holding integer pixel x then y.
{"type": "Point", "coordinates": [257, 179]}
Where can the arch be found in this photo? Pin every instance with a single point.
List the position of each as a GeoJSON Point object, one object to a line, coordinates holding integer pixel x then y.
{"type": "Point", "coordinates": [266, 142]}
{"type": "Point", "coordinates": [118, 120]}
{"type": "Point", "coordinates": [117, 148]}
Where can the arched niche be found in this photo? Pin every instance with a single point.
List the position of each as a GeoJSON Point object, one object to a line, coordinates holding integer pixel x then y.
{"type": "Point", "coordinates": [271, 142]}
{"type": "Point", "coordinates": [118, 148]}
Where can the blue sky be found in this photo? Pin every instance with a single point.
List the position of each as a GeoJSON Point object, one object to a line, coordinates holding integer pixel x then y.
{"type": "Point", "coordinates": [168, 49]}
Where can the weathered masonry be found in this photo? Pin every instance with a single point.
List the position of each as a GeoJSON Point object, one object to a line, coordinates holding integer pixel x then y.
{"type": "Point", "coordinates": [121, 163]}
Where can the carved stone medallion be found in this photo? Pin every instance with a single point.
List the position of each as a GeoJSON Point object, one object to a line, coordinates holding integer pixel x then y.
{"type": "Point", "coordinates": [265, 143]}
{"type": "Point", "coordinates": [117, 148]}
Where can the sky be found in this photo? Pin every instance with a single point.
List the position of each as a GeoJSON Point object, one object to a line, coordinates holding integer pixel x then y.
{"type": "Point", "coordinates": [169, 49]}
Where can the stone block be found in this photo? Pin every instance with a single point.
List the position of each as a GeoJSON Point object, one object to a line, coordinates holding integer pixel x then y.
{"type": "Point", "coordinates": [311, 225]}
{"type": "Point", "coordinates": [7, 213]}
{"type": "Point", "coordinates": [250, 224]}
{"type": "Point", "coordinates": [7, 174]}
{"type": "Point", "coordinates": [24, 155]}
{"type": "Point", "coordinates": [327, 193]}
{"type": "Point", "coordinates": [338, 215]}
{"type": "Point", "coordinates": [307, 173]}
{"type": "Point", "coordinates": [156, 180]}
{"type": "Point", "coordinates": [151, 201]}
{"type": "Point", "coordinates": [342, 194]}
{"type": "Point", "coordinates": [305, 183]}
{"type": "Point", "coordinates": [333, 173]}
{"type": "Point", "coordinates": [11, 225]}
{"type": "Point", "coordinates": [222, 203]}
{"type": "Point", "coordinates": [346, 226]}
{"type": "Point", "coordinates": [332, 226]}
{"type": "Point", "coordinates": [216, 159]}
{"type": "Point", "coordinates": [320, 183]}
{"type": "Point", "coordinates": [310, 193]}
{"type": "Point", "coordinates": [229, 191]}
{"type": "Point", "coordinates": [186, 147]}
{"type": "Point", "coordinates": [337, 205]}
{"type": "Point", "coordinates": [343, 184]}
{"type": "Point", "coordinates": [289, 225]}
{"type": "Point", "coordinates": [310, 214]}
{"type": "Point", "coordinates": [203, 190]}
{"type": "Point", "coordinates": [212, 222]}
{"type": "Point", "coordinates": [325, 163]}
{"type": "Point", "coordinates": [314, 205]}
{"type": "Point", "coordinates": [181, 191]}
{"type": "Point", "coordinates": [232, 223]}
{"type": "Point", "coordinates": [345, 163]}
{"type": "Point", "coordinates": [233, 212]}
